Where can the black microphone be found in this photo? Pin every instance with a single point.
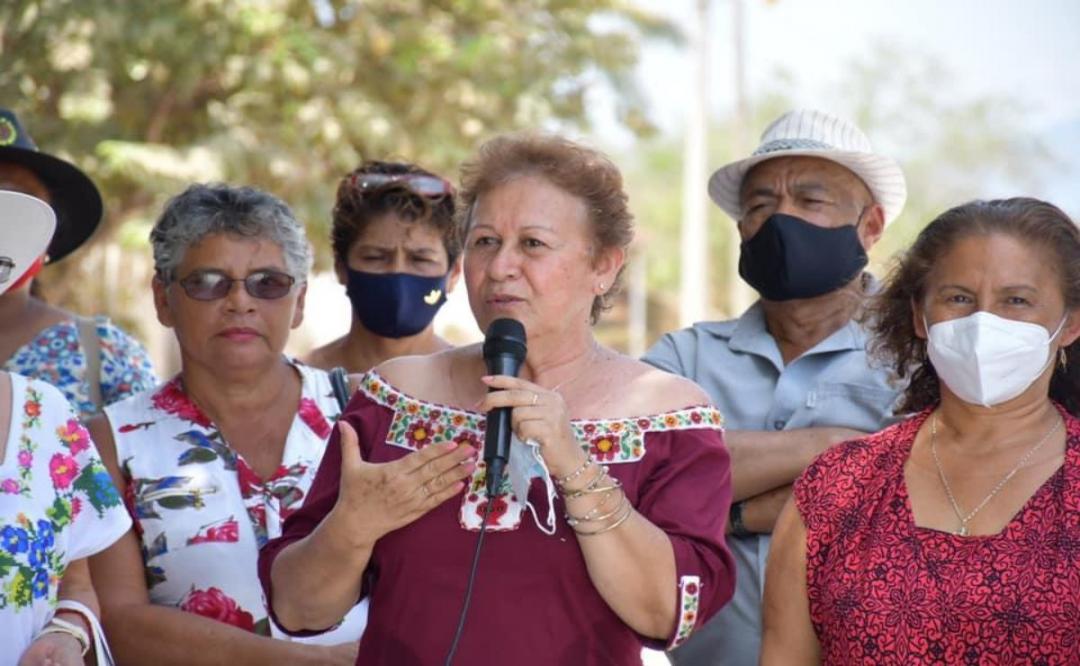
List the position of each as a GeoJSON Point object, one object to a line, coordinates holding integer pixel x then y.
{"type": "Point", "coordinates": [504, 352]}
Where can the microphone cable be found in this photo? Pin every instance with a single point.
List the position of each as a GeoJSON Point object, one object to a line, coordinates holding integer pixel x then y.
{"type": "Point", "coordinates": [469, 586]}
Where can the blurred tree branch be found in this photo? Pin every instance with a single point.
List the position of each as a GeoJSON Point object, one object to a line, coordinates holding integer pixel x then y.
{"type": "Point", "coordinates": [288, 95]}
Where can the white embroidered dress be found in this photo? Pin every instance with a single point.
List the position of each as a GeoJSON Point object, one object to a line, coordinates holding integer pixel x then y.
{"type": "Point", "coordinates": [202, 514]}
{"type": "Point", "coordinates": [57, 505]}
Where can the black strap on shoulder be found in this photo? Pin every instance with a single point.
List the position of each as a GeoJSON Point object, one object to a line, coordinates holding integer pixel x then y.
{"type": "Point", "coordinates": [339, 381]}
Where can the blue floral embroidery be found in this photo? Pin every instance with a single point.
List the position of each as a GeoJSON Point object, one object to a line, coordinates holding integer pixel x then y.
{"type": "Point", "coordinates": [55, 356]}
{"type": "Point", "coordinates": [14, 539]}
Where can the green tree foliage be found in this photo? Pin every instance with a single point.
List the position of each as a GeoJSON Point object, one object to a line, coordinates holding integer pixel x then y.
{"type": "Point", "coordinates": [289, 95]}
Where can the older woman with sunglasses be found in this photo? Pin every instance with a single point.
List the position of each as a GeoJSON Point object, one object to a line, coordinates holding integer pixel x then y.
{"type": "Point", "coordinates": [212, 461]}
{"type": "Point", "coordinates": [396, 250]}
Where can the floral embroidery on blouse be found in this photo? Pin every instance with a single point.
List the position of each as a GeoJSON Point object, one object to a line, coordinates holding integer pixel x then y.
{"type": "Point", "coordinates": [56, 356]}
{"type": "Point", "coordinates": [417, 423]}
{"type": "Point", "coordinates": [689, 598]}
{"type": "Point", "coordinates": [31, 418]}
{"type": "Point", "coordinates": [30, 564]}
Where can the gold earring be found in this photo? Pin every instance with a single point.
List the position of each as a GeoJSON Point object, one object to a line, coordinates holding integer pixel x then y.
{"type": "Point", "coordinates": [1063, 358]}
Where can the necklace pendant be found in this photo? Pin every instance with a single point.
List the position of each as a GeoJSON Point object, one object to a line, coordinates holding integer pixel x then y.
{"type": "Point", "coordinates": [962, 531]}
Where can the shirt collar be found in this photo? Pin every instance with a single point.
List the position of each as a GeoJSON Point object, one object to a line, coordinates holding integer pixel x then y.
{"type": "Point", "coordinates": [751, 335]}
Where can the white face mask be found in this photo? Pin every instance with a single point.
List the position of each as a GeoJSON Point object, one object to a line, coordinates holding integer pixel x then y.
{"type": "Point", "coordinates": [987, 360]}
{"type": "Point", "coordinates": [526, 464]}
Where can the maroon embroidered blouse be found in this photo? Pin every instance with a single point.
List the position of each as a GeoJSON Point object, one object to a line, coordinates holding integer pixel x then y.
{"type": "Point", "coordinates": [884, 591]}
{"type": "Point", "coordinates": [533, 601]}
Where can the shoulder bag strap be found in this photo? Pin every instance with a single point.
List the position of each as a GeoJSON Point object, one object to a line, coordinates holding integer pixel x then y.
{"type": "Point", "coordinates": [91, 346]}
{"type": "Point", "coordinates": [339, 381]}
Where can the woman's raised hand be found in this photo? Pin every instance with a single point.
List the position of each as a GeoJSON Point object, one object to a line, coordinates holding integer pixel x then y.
{"type": "Point", "coordinates": [539, 415]}
{"type": "Point", "coordinates": [382, 497]}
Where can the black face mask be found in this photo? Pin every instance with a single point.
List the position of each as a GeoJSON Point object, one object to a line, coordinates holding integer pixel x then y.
{"type": "Point", "coordinates": [790, 258]}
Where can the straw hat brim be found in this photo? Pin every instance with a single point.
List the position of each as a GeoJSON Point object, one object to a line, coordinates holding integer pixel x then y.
{"type": "Point", "coordinates": [882, 176]}
{"type": "Point", "coordinates": [74, 196]}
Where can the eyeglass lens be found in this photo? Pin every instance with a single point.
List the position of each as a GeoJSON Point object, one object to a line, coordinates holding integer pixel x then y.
{"type": "Point", "coordinates": [212, 285]}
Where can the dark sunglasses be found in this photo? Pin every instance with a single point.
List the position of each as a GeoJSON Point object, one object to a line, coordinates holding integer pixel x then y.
{"type": "Point", "coordinates": [212, 285]}
{"type": "Point", "coordinates": [431, 187]}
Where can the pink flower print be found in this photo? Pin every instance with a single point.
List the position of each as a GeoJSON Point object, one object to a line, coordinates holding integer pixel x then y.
{"type": "Point", "coordinates": [10, 486]}
{"type": "Point", "coordinates": [227, 532]}
{"type": "Point", "coordinates": [75, 436]}
{"type": "Point", "coordinates": [257, 515]}
{"type": "Point", "coordinates": [63, 470]}
{"type": "Point", "coordinates": [172, 399]}
{"type": "Point", "coordinates": [26, 459]}
{"type": "Point", "coordinates": [216, 605]}
{"type": "Point", "coordinates": [313, 417]}
{"type": "Point", "coordinates": [76, 507]}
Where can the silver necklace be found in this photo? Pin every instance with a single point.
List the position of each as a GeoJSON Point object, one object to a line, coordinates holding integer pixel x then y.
{"type": "Point", "coordinates": [964, 520]}
{"type": "Point", "coordinates": [596, 354]}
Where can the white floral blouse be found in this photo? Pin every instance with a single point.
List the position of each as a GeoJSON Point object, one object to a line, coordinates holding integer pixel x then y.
{"type": "Point", "coordinates": [57, 505]}
{"type": "Point", "coordinates": [202, 513]}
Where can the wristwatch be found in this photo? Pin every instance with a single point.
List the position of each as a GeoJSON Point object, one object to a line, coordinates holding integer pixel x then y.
{"type": "Point", "coordinates": [738, 528]}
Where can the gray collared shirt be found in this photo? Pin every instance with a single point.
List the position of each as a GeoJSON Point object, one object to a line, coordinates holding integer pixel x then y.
{"type": "Point", "coordinates": [739, 364]}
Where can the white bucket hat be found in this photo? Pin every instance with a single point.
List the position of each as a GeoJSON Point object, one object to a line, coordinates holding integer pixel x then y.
{"type": "Point", "coordinates": [816, 134]}
{"type": "Point", "coordinates": [26, 227]}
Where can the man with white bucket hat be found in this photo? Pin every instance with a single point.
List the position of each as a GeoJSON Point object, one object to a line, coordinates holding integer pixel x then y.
{"type": "Point", "coordinates": [791, 375]}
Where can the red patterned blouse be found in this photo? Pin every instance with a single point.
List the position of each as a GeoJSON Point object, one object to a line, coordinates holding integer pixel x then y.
{"type": "Point", "coordinates": [884, 591]}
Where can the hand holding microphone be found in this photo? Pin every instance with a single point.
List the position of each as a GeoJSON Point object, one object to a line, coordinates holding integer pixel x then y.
{"type": "Point", "coordinates": [522, 407]}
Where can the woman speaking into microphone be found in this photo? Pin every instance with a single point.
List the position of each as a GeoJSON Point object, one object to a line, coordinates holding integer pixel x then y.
{"type": "Point", "coordinates": [607, 533]}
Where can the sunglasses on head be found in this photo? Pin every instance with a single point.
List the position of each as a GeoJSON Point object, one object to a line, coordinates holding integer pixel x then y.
{"type": "Point", "coordinates": [431, 187]}
{"type": "Point", "coordinates": [212, 285]}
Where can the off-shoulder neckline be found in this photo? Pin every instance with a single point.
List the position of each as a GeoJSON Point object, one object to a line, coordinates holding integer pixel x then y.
{"type": "Point", "coordinates": [375, 376]}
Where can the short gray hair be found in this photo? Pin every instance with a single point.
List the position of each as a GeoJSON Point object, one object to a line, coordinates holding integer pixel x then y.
{"type": "Point", "coordinates": [205, 209]}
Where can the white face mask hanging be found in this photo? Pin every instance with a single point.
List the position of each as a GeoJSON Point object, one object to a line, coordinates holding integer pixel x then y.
{"type": "Point", "coordinates": [987, 360]}
{"type": "Point", "coordinates": [526, 464]}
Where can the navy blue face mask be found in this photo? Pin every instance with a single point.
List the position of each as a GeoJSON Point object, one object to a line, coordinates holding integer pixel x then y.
{"type": "Point", "coordinates": [790, 258]}
{"type": "Point", "coordinates": [395, 305]}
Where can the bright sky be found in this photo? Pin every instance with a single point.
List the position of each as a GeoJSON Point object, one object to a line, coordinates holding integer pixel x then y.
{"type": "Point", "coordinates": [993, 47]}
{"type": "Point", "coordinates": [1024, 51]}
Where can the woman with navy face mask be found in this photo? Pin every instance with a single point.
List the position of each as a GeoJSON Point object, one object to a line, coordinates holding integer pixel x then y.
{"type": "Point", "coordinates": [395, 250]}
{"type": "Point", "coordinates": [953, 536]}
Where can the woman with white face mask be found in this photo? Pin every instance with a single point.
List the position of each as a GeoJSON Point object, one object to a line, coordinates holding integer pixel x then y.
{"type": "Point", "coordinates": [953, 536]}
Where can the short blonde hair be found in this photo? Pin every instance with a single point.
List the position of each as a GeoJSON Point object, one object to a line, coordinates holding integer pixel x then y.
{"type": "Point", "coordinates": [576, 169]}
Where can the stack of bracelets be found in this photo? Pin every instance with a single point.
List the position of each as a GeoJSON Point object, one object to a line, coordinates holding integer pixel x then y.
{"type": "Point", "coordinates": [603, 510]}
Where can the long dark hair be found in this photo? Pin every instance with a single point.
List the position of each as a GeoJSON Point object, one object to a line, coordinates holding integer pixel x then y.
{"type": "Point", "coordinates": [890, 314]}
